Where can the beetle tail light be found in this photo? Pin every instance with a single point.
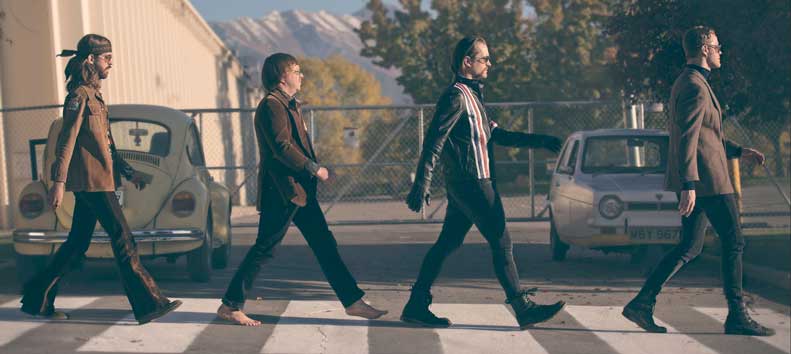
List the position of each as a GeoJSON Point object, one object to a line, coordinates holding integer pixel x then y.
{"type": "Point", "coordinates": [31, 205]}
{"type": "Point", "coordinates": [183, 204]}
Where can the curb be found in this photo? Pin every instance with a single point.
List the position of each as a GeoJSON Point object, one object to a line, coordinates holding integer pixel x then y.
{"type": "Point", "coordinates": [763, 274]}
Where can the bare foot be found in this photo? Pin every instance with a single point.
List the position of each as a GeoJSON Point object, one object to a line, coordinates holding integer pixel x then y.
{"type": "Point", "coordinates": [236, 316]}
{"type": "Point", "coordinates": [362, 309]}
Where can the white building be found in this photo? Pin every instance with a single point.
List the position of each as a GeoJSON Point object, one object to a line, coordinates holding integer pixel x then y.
{"type": "Point", "coordinates": [164, 53]}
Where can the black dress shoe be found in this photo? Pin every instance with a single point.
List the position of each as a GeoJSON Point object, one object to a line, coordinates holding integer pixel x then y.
{"type": "Point", "coordinates": [529, 313]}
{"type": "Point", "coordinates": [642, 315]}
{"type": "Point", "coordinates": [159, 313]}
{"type": "Point", "coordinates": [416, 312]}
{"type": "Point", "coordinates": [739, 322]}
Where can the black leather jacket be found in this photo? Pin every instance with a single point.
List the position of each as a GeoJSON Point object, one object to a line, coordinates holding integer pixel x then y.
{"type": "Point", "coordinates": [461, 135]}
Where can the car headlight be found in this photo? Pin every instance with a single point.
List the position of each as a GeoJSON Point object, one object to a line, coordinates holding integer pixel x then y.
{"type": "Point", "coordinates": [31, 205]}
{"type": "Point", "coordinates": [610, 207]}
{"type": "Point", "coordinates": [183, 204]}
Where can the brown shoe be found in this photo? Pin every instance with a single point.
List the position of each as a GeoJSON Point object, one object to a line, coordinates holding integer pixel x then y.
{"type": "Point", "coordinates": [362, 309]}
{"type": "Point", "coordinates": [57, 315]}
{"type": "Point", "coordinates": [51, 315]}
{"type": "Point", "coordinates": [159, 313]}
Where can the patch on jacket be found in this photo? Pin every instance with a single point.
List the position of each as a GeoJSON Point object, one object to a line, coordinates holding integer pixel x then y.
{"type": "Point", "coordinates": [74, 104]}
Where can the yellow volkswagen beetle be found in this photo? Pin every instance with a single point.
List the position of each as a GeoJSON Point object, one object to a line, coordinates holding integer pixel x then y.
{"type": "Point", "coordinates": [181, 212]}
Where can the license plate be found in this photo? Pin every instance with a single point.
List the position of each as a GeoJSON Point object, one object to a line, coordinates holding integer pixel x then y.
{"type": "Point", "coordinates": [120, 196]}
{"type": "Point", "coordinates": [654, 235]}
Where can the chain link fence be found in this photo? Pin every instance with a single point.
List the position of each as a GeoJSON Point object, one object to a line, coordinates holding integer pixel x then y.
{"type": "Point", "coordinates": [372, 152]}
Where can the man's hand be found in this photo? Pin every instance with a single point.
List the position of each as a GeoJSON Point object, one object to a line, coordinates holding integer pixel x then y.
{"type": "Point", "coordinates": [323, 174]}
{"type": "Point", "coordinates": [551, 143]}
{"type": "Point", "coordinates": [417, 195]}
{"type": "Point", "coordinates": [139, 180]}
{"type": "Point", "coordinates": [687, 203]}
{"type": "Point", "coordinates": [55, 194]}
{"type": "Point", "coordinates": [753, 156]}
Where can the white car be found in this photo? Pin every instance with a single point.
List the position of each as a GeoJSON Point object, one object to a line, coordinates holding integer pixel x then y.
{"type": "Point", "coordinates": [607, 193]}
{"type": "Point", "coordinates": [181, 212]}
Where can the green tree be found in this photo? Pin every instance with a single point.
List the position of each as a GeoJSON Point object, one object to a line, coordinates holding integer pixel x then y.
{"type": "Point", "coordinates": [754, 82]}
{"type": "Point", "coordinates": [335, 81]}
{"type": "Point", "coordinates": [573, 55]}
{"type": "Point", "coordinates": [420, 44]}
{"type": "Point", "coordinates": [560, 53]}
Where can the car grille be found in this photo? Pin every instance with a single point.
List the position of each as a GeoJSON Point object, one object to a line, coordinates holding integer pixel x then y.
{"type": "Point", "coordinates": [139, 156]}
{"type": "Point", "coordinates": [651, 206]}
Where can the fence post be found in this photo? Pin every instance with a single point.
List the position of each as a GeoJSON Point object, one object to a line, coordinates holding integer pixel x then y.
{"type": "Point", "coordinates": [419, 148]}
{"type": "Point", "coordinates": [312, 127]}
{"type": "Point", "coordinates": [200, 128]}
{"type": "Point", "coordinates": [531, 165]}
{"type": "Point", "coordinates": [641, 117]}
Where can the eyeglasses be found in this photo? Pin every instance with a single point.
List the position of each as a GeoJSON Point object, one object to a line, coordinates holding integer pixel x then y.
{"type": "Point", "coordinates": [482, 60]}
{"type": "Point", "coordinates": [299, 73]}
{"type": "Point", "coordinates": [717, 47]}
{"type": "Point", "coordinates": [106, 57]}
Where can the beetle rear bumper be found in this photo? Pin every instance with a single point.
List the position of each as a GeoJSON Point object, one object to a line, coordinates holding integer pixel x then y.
{"type": "Point", "coordinates": [149, 242]}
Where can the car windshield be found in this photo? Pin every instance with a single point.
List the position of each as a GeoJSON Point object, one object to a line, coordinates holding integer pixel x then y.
{"type": "Point", "coordinates": [625, 154]}
{"type": "Point", "coordinates": [141, 136]}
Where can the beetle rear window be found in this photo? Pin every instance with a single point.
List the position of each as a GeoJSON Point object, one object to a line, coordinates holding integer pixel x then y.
{"type": "Point", "coordinates": [625, 154]}
{"type": "Point", "coordinates": [141, 136]}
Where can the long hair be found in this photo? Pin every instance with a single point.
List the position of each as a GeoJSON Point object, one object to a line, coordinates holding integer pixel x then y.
{"type": "Point", "coordinates": [79, 71]}
{"type": "Point", "coordinates": [465, 47]}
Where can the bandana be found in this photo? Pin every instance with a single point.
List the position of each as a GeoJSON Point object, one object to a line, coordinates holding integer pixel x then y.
{"type": "Point", "coordinates": [87, 50]}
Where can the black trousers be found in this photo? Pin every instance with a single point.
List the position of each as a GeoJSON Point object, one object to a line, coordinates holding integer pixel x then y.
{"type": "Point", "coordinates": [722, 212]}
{"type": "Point", "coordinates": [272, 227]}
{"type": "Point", "coordinates": [472, 202]}
{"type": "Point", "coordinates": [141, 290]}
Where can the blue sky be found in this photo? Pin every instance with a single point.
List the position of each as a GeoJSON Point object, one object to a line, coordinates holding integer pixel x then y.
{"type": "Point", "coordinates": [220, 10]}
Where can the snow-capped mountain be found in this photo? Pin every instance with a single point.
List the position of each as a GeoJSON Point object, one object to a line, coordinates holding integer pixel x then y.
{"type": "Point", "coordinates": [311, 34]}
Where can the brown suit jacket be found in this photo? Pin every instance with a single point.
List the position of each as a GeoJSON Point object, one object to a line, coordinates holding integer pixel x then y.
{"type": "Point", "coordinates": [698, 149]}
{"type": "Point", "coordinates": [287, 159]}
{"type": "Point", "coordinates": [85, 157]}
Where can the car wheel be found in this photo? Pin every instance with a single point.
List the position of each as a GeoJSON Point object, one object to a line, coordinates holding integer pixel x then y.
{"type": "Point", "coordinates": [221, 255]}
{"type": "Point", "coordinates": [558, 247]}
{"type": "Point", "coordinates": [199, 259]}
{"type": "Point", "coordinates": [28, 266]}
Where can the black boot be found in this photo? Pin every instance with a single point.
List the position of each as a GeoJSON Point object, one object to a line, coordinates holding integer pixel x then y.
{"type": "Point", "coordinates": [641, 312]}
{"type": "Point", "coordinates": [528, 312]}
{"type": "Point", "coordinates": [416, 311]}
{"type": "Point", "coordinates": [739, 322]}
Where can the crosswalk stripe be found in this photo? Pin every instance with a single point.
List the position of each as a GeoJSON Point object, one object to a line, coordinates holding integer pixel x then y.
{"type": "Point", "coordinates": [483, 328]}
{"type": "Point", "coordinates": [626, 337]}
{"type": "Point", "coordinates": [225, 337]}
{"type": "Point", "coordinates": [307, 327]}
{"type": "Point", "coordinates": [779, 322]}
{"type": "Point", "coordinates": [14, 323]}
{"type": "Point", "coordinates": [709, 332]}
{"type": "Point", "coordinates": [171, 334]}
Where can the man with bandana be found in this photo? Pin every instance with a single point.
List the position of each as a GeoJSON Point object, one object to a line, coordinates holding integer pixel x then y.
{"type": "Point", "coordinates": [86, 163]}
{"type": "Point", "coordinates": [461, 135]}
